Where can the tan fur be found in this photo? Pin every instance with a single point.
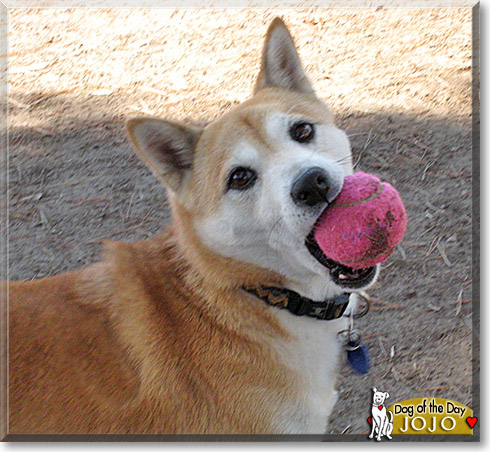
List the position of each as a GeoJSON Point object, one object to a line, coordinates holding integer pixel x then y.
{"type": "Point", "coordinates": [158, 327]}
{"type": "Point", "coordinates": [140, 344]}
{"type": "Point", "coordinates": [159, 337]}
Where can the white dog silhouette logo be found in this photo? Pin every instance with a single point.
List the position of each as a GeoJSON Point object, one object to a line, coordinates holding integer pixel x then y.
{"type": "Point", "coordinates": [381, 424]}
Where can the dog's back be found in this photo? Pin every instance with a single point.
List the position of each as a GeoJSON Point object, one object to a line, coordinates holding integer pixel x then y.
{"type": "Point", "coordinates": [68, 370]}
{"type": "Point", "coordinates": [130, 345]}
{"type": "Point", "coordinates": [60, 340]}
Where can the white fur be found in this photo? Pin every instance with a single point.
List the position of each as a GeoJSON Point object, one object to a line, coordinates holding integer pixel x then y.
{"type": "Point", "coordinates": [263, 225]}
{"type": "Point", "coordinates": [313, 354]}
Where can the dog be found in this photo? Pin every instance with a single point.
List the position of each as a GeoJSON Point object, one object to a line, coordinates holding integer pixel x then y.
{"type": "Point", "coordinates": [382, 425]}
{"type": "Point", "coordinates": [228, 321]}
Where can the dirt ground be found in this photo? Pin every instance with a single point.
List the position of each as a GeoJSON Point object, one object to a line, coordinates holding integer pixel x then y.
{"type": "Point", "coordinates": [399, 81]}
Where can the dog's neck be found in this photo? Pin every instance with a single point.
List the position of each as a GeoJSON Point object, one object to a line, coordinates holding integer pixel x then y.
{"type": "Point", "coordinates": [226, 273]}
{"type": "Point", "coordinates": [218, 271]}
{"type": "Point", "coordinates": [315, 287]}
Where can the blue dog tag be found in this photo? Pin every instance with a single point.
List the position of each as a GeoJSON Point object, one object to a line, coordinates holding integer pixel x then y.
{"type": "Point", "coordinates": [358, 357]}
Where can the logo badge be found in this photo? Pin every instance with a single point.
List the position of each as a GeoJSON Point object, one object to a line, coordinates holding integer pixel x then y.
{"type": "Point", "coordinates": [419, 416]}
{"type": "Point", "coordinates": [432, 416]}
{"type": "Point", "coordinates": [381, 419]}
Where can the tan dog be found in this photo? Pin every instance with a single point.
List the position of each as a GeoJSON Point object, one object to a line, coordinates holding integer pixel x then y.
{"type": "Point", "coordinates": [178, 334]}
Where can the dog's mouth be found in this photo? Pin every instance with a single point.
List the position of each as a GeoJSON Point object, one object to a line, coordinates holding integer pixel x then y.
{"type": "Point", "coordinates": [343, 276]}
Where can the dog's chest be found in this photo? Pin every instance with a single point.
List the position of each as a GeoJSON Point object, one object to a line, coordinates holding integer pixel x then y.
{"type": "Point", "coordinates": [313, 354]}
{"type": "Point", "coordinates": [379, 411]}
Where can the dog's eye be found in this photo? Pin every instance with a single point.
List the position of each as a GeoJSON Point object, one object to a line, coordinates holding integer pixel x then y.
{"type": "Point", "coordinates": [241, 178]}
{"type": "Point", "coordinates": [302, 132]}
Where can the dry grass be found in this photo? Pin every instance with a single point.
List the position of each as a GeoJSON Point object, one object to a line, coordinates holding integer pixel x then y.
{"type": "Point", "coordinates": [180, 56]}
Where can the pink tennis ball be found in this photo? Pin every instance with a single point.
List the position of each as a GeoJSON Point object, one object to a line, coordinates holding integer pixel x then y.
{"type": "Point", "coordinates": [364, 223]}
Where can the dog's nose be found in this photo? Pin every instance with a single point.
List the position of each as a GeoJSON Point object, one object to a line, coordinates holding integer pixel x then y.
{"type": "Point", "coordinates": [311, 188]}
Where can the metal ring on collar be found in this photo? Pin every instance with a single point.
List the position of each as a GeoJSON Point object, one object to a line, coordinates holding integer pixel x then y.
{"type": "Point", "coordinates": [364, 302]}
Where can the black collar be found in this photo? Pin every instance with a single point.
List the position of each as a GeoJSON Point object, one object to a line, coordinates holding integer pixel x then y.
{"type": "Point", "coordinates": [331, 308]}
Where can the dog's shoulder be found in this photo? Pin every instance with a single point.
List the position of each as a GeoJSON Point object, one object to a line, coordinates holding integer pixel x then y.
{"type": "Point", "coordinates": [147, 263]}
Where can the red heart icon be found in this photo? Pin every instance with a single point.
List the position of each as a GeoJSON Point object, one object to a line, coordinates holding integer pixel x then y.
{"type": "Point", "coordinates": [370, 420]}
{"type": "Point", "coordinates": [471, 421]}
{"type": "Point", "coordinates": [380, 407]}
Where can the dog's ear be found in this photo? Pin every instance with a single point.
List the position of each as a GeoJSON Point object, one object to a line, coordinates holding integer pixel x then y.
{"type": "Point", "coordinates": [375, 390]}
{"type": "Point", "coordinates": [281, 66]}
{"type": "Point", "coordinates": [387, 396]}
{"type": "Point", "coordinates": [166, 147]}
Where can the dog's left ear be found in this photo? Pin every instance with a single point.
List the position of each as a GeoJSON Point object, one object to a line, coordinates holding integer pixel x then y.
{"type": "Point", "coordinates": [387, 396]}
{"type": "Point", "coordinates": [281, 66]}
{"type": "Point", "coordinates": [166, 147]}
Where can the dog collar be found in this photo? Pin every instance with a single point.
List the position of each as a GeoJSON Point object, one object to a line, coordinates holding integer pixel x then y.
{"type": "Point", "coordinates": [279, 297]}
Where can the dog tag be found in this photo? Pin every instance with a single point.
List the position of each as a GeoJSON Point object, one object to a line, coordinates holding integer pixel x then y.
{"type": "Point", "coordinates": [357, 352]}
{"type": "Point", "coordinates": [358, 357]}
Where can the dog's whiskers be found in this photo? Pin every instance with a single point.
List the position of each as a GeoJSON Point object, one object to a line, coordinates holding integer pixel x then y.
{"type": "Point", "coordinates": [344, 159]}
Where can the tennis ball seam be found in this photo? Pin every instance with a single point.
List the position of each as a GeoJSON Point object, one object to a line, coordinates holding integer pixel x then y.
{"type": "Point", "coordinates": [362, 201]}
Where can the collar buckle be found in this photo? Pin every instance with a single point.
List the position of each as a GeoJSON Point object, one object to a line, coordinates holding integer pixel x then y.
{"type": "Point", "coordinates": [320, 312]}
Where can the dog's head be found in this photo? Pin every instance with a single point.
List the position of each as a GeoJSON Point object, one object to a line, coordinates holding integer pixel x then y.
{"type": "Point", "coordinates": [249, 187]}
{"type": "Point", "coordinates": [379, 397]}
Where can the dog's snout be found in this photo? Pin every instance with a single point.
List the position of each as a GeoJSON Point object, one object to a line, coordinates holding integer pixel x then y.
{"type": "Point", "coordinates": [311, 188]}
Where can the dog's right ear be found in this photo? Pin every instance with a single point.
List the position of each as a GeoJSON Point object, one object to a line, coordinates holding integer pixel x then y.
{"type": "Point", "coordinates": [166, 147]}
{"type": "Point", "coordinates": [375, 390]}
{"type": "Point", "coordinates": [281, 66]}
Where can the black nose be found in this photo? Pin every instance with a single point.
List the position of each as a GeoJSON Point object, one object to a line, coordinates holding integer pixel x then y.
{"type": "Point", "coordinates": [311, 188]}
